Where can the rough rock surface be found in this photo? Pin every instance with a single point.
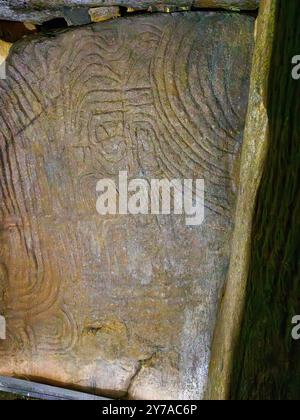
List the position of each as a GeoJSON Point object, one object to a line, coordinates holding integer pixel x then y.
{"type": "Point", "coordinates": [99, 14]}
{"type": "Point", "coordinates": [39, 11]}
{"type": "Point", "coordinates": [254, 151]}
{"type": "Point", "coordinates": [124, 305]}
{"type": "Point", "coordinates": [266, 359]}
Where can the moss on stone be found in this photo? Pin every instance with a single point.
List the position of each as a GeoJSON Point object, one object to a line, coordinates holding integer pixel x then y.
{"type": "Point", "coordinates": [253, 158]}
{"type": "Point", "coordinates": [267, 363]}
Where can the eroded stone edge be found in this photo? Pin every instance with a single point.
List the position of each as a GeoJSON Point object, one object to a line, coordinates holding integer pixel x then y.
{"type": "Point", "coordinates": [252, 163]}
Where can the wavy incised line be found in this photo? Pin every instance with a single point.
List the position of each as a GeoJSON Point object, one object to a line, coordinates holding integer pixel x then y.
{"type": "Point", "coordinates": [178, 140]}
{"type": "Point", "coordinates": [201, 144]}
{"type": "Point", "coordinates": [82, 106]}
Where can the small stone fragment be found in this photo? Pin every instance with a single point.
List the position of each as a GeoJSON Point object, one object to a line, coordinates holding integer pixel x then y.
{"type": "Point", "coordinates": [2, 328]}
{"type": "Point", "coordinates": [30, 26]}
{"type": "Point", "coordinates": [4, 50]}
{"type": "Point", "coordinates": [162, 8]}
{"type": "Point", "coordinates": [77, 16]}
{"type": "Point", "coordinates": [100, 14]}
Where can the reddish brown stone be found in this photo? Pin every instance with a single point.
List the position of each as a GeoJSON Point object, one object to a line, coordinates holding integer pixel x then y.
{"type": "Point", "coordinates": [124, 305]}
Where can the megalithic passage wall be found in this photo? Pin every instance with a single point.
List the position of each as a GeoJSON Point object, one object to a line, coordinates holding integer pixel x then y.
{"type": "Point", "coordinates": [267, 362]}
{"type": "Point", "coordinates": [252, 164]}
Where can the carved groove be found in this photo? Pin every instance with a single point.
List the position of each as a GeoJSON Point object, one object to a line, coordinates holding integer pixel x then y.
{"type": "Point", "coordinates": [160, 97]}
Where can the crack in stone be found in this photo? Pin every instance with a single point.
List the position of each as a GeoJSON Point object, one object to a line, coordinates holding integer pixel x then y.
{"type": "Point", "coordinates": [142, 364]}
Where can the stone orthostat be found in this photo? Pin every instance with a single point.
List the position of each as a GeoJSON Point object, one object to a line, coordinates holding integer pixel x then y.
{"type": "Point", "coordinates": [124, 305]}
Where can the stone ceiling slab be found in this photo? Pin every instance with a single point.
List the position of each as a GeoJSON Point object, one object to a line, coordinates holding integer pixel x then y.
{"type": "Point", "coordinates": [39, 11]}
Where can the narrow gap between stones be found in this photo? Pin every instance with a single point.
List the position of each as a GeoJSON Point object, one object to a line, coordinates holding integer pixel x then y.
{"type": "Point", "coordinates": [58, 23]}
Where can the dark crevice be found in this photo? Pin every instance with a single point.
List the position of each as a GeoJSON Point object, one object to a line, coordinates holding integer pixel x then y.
{"type": "Point", "coordinates": [53, 24]}
{"type": "Point", "coordinates": [13, 31]}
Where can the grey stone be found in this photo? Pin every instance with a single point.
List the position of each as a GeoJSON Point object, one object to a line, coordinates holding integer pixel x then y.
{"type": "Point", "coordinates": [39, 11]}
{"type": "Point", "coordinates": [76, 16]}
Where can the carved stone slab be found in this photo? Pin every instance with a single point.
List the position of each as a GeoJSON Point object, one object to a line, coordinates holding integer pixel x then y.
{"type": "Point", "coordinates": [124, 305]}
{"type": "Point", "coordinates": [76, 11]}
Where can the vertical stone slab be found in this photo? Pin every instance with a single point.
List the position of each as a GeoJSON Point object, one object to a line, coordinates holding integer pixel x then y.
{"type": "Point", "coordinates": [252, 163]}
{"type": "Point", "coordinates": [272, 309]}
{"type": "Point", "coordinates": [123, 305]}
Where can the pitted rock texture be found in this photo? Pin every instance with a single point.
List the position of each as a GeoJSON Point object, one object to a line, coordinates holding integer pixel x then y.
{"type": "Point", "coordinates": [123, 305]}
{"type": "Point", "coordinates": [39, 11]}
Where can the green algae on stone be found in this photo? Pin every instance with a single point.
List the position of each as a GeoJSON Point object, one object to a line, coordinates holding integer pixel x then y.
{"type": "Point", "coordinates": [267, 362]}
{"type": "Point", "coordinates": [252, 163]}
